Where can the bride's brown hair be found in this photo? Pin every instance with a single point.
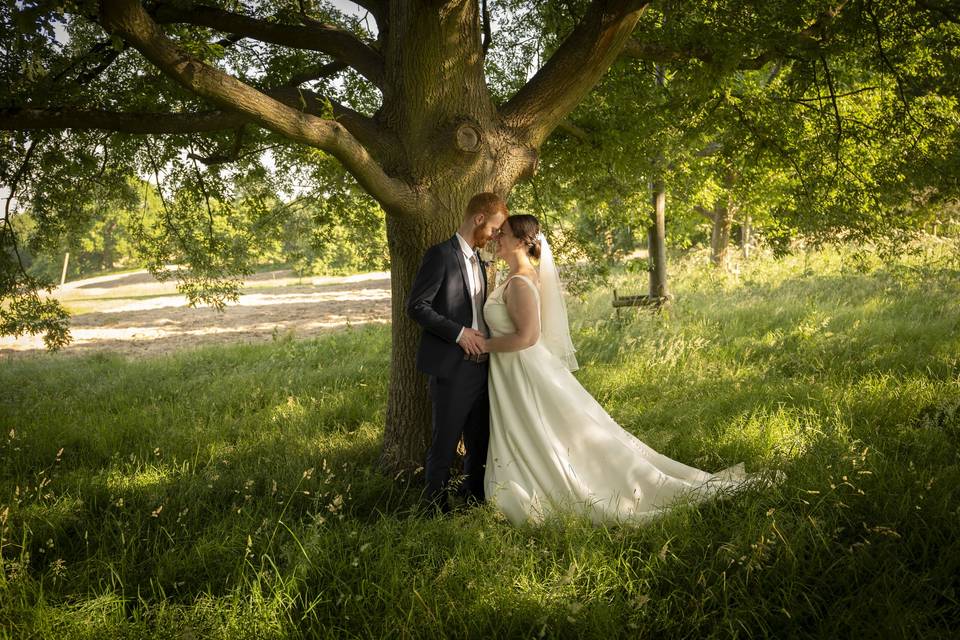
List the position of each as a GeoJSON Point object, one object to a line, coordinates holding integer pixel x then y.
{"type": "Point", "coordinates": [526, 228]}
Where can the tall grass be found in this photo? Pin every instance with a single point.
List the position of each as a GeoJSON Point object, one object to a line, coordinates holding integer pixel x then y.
{"type": "Point", "coordinates": [232, 492]}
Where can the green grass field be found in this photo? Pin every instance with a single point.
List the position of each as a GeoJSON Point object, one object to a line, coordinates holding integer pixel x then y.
{"type": "Point", "coordinates": [233, 492]}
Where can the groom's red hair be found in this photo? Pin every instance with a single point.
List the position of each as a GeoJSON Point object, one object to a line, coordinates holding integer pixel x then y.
{"type": "Point", "coordinates": [487, 204]}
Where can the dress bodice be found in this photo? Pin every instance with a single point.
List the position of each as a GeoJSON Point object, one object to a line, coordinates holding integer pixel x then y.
{"type": "Point", "coordinates": [495, 308]}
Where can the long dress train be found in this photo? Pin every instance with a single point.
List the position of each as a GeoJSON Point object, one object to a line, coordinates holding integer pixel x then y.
{"type": "Point", "coordinates": [553, 447]}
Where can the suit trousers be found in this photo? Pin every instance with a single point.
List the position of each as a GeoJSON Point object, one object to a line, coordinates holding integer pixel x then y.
{"type": "Point", "coordinates": [461, 406]}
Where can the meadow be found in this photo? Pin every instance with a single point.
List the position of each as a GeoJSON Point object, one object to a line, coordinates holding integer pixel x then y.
{"type": "Point", "coordinates": [232, 491]}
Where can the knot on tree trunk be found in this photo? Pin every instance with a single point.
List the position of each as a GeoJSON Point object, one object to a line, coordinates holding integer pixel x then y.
{"type": "Point", "coordinates": [468, 137]}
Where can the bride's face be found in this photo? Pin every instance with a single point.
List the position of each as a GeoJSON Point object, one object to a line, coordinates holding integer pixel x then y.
{"type": "Point", "coordinates": [506, 242]}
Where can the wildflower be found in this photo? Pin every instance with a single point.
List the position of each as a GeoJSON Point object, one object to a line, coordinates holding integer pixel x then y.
{"type": "Point", "coordinates": [58, 567]}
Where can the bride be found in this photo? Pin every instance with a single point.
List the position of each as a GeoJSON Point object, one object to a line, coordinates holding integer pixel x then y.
{"type": "Point", "coordinates": [552, 446]}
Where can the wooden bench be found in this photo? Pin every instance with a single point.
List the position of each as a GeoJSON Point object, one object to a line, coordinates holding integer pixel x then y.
{"type": "Point", "coordinates": [636, 301]}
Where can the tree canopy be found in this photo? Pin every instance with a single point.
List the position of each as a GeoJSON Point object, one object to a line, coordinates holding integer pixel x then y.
{"type": "Point", "coordinates": [848, 131]}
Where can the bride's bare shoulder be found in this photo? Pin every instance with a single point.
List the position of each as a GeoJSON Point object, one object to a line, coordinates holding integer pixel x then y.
{"type": "Point", "coordinates": [529, 275]}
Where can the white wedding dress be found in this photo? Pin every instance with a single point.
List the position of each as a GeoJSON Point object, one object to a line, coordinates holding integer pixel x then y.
{"type": "Point", "coordinates": [553, 447]}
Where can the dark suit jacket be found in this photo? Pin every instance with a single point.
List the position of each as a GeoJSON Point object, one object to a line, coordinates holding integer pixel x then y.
{"type": "Point", "coordinates": [440, 303]}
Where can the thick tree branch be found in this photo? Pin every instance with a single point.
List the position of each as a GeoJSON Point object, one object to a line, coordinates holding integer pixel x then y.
{"type": "Point", "coordinates": [574, 131]}
{"type": "Point", "coordinates": [329, 39]}
{"type": "Point", "coordinates": [31, 118]}
{"type": "Point", "coordinates": [379, 9]}
{"type": "Point", "coordinates": [323, 71]}
{"type": "Point", "coordinates": [572, 71]}
{"type": "Point", "coordinates": [487, 35]}
{"type": "Point", "coordinates": [38, 118]}
{"type": "Point", "coordinates": [34, 119]}
{"type": "Point", "coordinates": [129, 20]}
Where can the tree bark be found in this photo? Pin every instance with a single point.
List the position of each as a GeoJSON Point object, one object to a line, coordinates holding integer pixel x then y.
{"type": "Point", "coordinates": [657, 247]}
{"type": "Point", "coordinates": [720, 238]}
{"type": "Point", "coordinates": [407, 429]}
{"type": "Point", "coordinates": [746, 235]}
{"type": "Point", "coordinates": [658, 243]}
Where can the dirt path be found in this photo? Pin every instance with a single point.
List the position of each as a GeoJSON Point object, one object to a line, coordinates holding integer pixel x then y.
{"type": "Point", "coordinates": [134, 314]}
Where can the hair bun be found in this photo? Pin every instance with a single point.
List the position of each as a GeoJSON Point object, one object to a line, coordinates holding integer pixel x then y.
{"type": "Point", "coordinates": [526, 228]}
{"type": "Point", "coordinates": [534, 249]}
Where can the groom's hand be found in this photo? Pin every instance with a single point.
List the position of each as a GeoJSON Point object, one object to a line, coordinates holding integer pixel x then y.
{"type": "Point", "coordinates": [472, 341]}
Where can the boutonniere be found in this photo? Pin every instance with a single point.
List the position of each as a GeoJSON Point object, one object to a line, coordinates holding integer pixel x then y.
{"type": "Point", "coordinates": [486, 259]}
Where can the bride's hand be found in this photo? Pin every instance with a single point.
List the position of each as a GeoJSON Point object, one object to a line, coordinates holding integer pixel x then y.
{"type": "Point", "coordinates": [472, 342]}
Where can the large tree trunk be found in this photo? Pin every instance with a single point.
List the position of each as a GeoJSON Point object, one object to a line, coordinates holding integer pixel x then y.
{"type": "Point", "coordinates": [407, 429]}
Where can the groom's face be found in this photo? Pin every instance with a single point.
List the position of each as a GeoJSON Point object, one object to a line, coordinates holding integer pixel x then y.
{"type": "Point", "coordinates": [487, 227]}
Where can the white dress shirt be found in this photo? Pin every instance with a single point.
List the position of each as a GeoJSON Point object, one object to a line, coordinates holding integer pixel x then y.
{"type": "Point", "coordinates": [475, 286]}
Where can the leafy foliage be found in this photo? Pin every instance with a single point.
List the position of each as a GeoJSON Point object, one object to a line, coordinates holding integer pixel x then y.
{"type": "Point", "coordinates": [846, 132]}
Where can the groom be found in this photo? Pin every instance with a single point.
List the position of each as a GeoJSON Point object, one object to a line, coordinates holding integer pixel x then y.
{"type": "Point", "coordinates": [447, 301]}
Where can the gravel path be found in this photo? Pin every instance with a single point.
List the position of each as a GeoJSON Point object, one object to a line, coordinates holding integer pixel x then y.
{"type": "Point", "coordinates": [134, 314]}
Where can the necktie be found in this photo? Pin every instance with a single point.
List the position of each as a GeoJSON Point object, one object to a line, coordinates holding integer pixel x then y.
{"type": "Point", "coordinates": [478, 296]}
